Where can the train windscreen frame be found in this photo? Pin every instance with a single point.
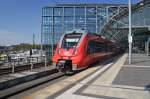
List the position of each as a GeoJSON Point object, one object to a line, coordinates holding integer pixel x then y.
{"type": "Point", "coordinates": [71, 40]}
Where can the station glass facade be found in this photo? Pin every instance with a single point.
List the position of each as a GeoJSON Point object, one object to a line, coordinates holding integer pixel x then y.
{"type": "Point", "coordinates": [61, 18]}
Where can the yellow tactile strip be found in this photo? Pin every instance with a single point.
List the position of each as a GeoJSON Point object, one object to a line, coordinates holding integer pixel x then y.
{"type": "Point", "coordinates": [54, 88]}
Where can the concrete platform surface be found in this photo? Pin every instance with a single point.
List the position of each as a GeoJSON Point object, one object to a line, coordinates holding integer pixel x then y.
{"type": "Point", "coordinates": [13, 79]}
{"type": "Point", "coordinates": [114, 80]}
{"type": "Point", "coordinates": [106, 85]}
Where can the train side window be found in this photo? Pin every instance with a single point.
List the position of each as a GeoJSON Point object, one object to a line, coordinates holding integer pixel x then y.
{"type": "Point", "coordinates": [87, 49]}
{"type": "Point", "coordinates": [90, 47]}
{"type": "Point", "coordinates": [110, 48]}
{"type": "Point", "coordinates": [99, 47]}
{"type": "Point", "coordinates": [95, 47]}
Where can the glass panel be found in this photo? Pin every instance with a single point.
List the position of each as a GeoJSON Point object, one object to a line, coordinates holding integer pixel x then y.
{"type": "Point", "coordinates": [147, 12]}
{"type": "Point", "coordinates": [122, 8]}
{"type": "Point", "coordinates": [58, 30]}
{"type": "Point", "coordinates": [99, 30]}
{"type": "Point", "coordinates": [91, 19]}
{"type": "Point", "coordinates": [98, 27]}
{"type": "Point", "coordinates": [125, 20]}
{"type": "Point", "coordinates": [51, 39]}
{"type": "Point", "coordinates": [68, 11]}
{"type": "Point", "coordinates": [80, 26]}
{"type": "Point", "coordinates": [56, 40]}
{"type": "Point", "coordinates": [146, 15]}
{"type": "Point", "coordinates": [137, 19]}
{"type": "Point", "coordinates": [79, 19]}
{"type": "Point", "coordinates": [46, 38]}
{"type": "Point", "coordinates": [47, 29]}
{"type": "Point", "coordinates": [68, 19]}
{"type": "Point", "coordinates": [68, 27]}
{"type": "Point", "coordinates": [79, 11]}
{"type": "Point", "coordinates": [147, 22]}
{"type": "Point", "coordinates": [101, 20]}
{"type": "Point", "coordinates": [57, 33]}
{"type": "Point", "coordinates": [47, 11]}
{"type": "Point", "coordinates": [102, 12]}
{"type": "Point", "coordinates": [91, 28]}
{"type": "Point", "coordinates": [57, 20]}
{"type": "Point", "coordinates": [112, 11]}
{"type": "Point", "coordinates": [91, 11]}
{"type": "Point", "coordinates": [47, 20]}
{"type": "Point", "coordinates": [58, 11]}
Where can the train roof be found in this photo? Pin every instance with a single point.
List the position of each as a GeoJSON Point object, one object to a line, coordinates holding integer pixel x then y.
{"type": "Point", "coordinates": [100, 38]}
{"type": "Point", "coordinates": [77, 31]}
{"type": "Point", "coordinates": [93, 36]}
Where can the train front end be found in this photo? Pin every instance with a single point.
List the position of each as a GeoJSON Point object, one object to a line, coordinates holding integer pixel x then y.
{"type": "Point", "coordinates": [67, 54]}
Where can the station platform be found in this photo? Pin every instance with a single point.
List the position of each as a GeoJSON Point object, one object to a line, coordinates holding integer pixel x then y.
{"type": "Point", "coordinates": [12, 76]}
{"type": "Point", "coordinates": [15, 82]}
{"type": "Point", "coordinates": [113, 80]}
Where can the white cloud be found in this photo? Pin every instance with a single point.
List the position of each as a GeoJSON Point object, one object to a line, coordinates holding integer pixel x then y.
{"type": "Point", "coordinates": [9, 38]}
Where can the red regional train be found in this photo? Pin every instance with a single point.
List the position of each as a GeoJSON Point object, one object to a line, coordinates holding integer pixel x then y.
{"type": "Point", "coordinates": [79, 49]}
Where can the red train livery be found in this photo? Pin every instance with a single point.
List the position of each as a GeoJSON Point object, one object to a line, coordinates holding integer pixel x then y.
{"type": "Point", "coordinates": [79, 49]}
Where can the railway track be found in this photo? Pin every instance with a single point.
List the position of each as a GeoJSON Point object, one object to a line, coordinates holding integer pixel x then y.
{"type": "Point", "coordinates": [53, 75]}
{"type": "Point", "coordinates": [20, 68]}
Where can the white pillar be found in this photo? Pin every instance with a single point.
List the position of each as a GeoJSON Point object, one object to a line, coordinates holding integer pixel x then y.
{"type": "Point", "coordinates": [130, 31]}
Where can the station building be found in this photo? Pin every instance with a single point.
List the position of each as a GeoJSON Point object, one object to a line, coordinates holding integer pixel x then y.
{"type": "Point", "coordinates": [109, 20]}
{"type": "Point", "coordinates": [60, 18]}
{"type": "Point", "coordinates": [117, 28]}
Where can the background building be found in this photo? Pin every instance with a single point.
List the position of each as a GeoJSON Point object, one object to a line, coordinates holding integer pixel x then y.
{"type": "Point", "coordinates": [60, 18]}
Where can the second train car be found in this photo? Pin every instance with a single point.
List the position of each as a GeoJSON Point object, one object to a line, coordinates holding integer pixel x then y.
{"type": "Point", "coordinates": [79, 49]}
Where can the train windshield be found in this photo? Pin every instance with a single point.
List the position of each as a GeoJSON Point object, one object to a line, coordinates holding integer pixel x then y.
{"type": "Point", "coordinates": [71, 40]}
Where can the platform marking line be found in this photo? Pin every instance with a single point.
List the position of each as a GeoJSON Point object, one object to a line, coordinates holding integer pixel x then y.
{"type": "Point", "coordinates": [56, 87]}
{"type": "Point", "coordinates": [112, 85]}
{"type": "Point", "coordinates": [29, 72]}
{"type": "Point", "coordinates": [69, 93]}
{"type": "Point", "coordinates": [74, 96]}
{"type": "Point", "coordinates": [109, 76]}
{"type": "Point", "coordinates": [120, 86]}
{"type": "Point", "coordinates": [17, 75]}
{"type": "Point", "coordinates": [125, 92]}
{"type": "Point", "coordinates": [141, 59]}
{"type": "Point", "coordinates": [135, 66]}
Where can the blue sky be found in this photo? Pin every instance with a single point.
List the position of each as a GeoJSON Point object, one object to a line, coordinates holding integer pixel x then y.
{"type": "Point", "coordinates": [19, 19]}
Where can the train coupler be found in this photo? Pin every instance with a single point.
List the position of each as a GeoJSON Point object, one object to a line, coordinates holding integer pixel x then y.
{"type": "Point", "coordinates": [65, 66]}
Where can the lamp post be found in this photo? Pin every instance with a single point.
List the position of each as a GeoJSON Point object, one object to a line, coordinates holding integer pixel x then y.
{"type": "Point", "coordinates": [130, 32]}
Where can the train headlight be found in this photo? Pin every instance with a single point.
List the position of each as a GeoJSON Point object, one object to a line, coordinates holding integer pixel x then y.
{"type": "Point", "coordinates": [58, 51]}
{"type": "Point", "coordinates": [75, 52]}
{"type": "Point", "coordinates": [54, 63]}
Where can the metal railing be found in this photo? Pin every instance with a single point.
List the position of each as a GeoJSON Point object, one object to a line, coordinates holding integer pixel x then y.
{"type": "Point", "coordinates": [23, 63]}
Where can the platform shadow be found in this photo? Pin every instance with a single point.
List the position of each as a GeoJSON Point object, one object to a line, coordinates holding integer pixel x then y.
{"type": "Point", "coordinates": [147, 87]}
{"type": "Point", "coordinates": [136, 62]}
{"type": "Point", "coordinates": [106, 61]}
